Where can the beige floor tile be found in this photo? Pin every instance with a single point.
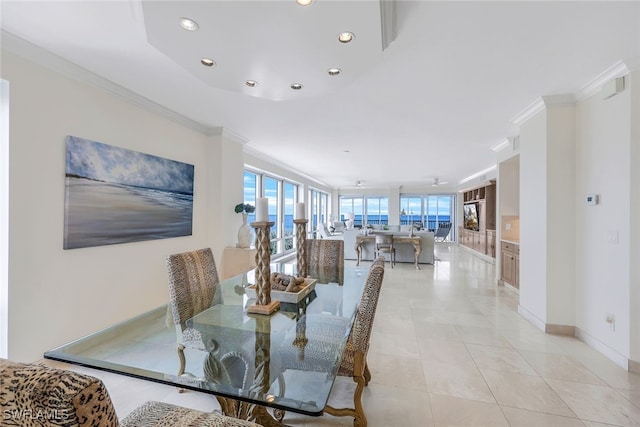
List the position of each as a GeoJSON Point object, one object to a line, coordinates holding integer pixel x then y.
{"type": "Point", "coordinates": [611, 373]}
{"type": "Point", "coordinates": [444, 340]}
{"type": "Point", "coordinates": [558, 366]}
{"type": "Point", "coordinates": [444, 351]}
{"type": "Point", "coordinates": [438, 331]}
{"type": "Point", "coordinates": [394, 344]}
{"type": "Point", "coordinates": [632, 396]}
{"type": "Point", "coordinates": [499, 359]}
{"type": "Point", "coordinates": [395, 370]}
{"type": "Point", "coordinates": [457, 381]}
{"type": "Point", "coordinates": [525, 392]}
{"type": "Point", "coordinates": [455, 412]}
{"type": "Point", "coordinates": [597, 403]}
{"type": "Point", "coordinates": [395, 323]}
{"type": "Point", "coordinates": [523, 418]}
{"type": "Point", "coordinates": [484, 336]}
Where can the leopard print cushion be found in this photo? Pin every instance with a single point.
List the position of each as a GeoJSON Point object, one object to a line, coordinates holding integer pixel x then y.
{"type": "Point", "coordinates": [33, 395]}
{"type": "Point", "coordinates": [360, 335]}
{"type": "Point", "coordinates": [325, 260]}
{"type": "Point", "coordinates": [160, 414]}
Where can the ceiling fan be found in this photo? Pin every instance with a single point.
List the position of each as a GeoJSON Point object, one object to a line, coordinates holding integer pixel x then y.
{"type": "Point", "coordinates": [437, 182]}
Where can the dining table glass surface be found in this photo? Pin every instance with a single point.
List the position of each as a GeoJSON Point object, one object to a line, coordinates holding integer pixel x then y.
{"type": "Point", "coordinates": [287, 360]}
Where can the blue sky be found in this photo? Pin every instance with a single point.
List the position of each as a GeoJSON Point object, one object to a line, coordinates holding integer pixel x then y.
{"type": "Point", "coordinates": [104, 162]}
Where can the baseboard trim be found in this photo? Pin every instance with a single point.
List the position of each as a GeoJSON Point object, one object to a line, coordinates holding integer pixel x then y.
{"type": "Point", "coordinates": [532, 318]}
{"type": "Point", "coordinates": [610, 353]}
{"type": "Point", "coordinates": [478, 254]}
{"type": "Point", "coordinates": [561, 330]}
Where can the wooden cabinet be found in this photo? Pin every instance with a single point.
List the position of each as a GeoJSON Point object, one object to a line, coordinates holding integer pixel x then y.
{"type": "Point", "coordinates": [483, 239]}
{"type": "Point", "coordinates": [491, 243]}
{"type": "Point", "coordinates": [510, 270]}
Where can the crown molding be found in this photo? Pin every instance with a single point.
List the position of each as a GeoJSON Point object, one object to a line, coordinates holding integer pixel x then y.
{"type": "Point", "coordinates": [29, 51]}
{"type": "Point", "coordinates": [592, 87]}
{"type": "Point", "coordinates": [531, 110]}
{"type": "Point", "coordinates": [275, 162]}
{"type": "Point", "coordinates": [233, 136]}
{"type": "Point", "coordinates": [482, 174]}
{"type": "Point", "coordinates": [500, 145]}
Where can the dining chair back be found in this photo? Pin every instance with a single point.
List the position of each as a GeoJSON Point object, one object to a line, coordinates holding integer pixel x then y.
{"type": "Point", "coordinates": [325, 260]}
{"type": "Point", "coordinates": [384, 244]}
{"type": "Point", "coordinates": [193, 287]}
{"type": "Point", "coordinates": [354, 358]}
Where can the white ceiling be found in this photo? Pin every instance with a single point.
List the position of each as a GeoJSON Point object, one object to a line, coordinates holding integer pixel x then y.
{"type": "Point", "coordinates": [432, 104]}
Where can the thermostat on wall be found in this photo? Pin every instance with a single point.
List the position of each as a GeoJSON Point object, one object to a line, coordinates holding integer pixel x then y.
{"type": "Point", "coordinates": [593, 199]}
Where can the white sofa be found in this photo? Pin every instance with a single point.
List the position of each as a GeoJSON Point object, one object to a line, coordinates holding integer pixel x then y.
{"type": "Point", "coordinates": [404, 252]}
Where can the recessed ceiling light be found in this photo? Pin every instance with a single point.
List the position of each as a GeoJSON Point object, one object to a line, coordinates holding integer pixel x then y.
{"type": "Point", "coordinates": [304, 2]}
{"type": "Point", "coordinates": [207, 62]}
{"type": "Point", "coordinates": [334, 71]}
{"type": "Point", "coordinates": [189, 24]}
{"type": "Point", "coordinates": [251, 83]}
{"type": "Point", "coordinates": [346, 37]}
{"type": "Point", "coordinates": [296, 86]}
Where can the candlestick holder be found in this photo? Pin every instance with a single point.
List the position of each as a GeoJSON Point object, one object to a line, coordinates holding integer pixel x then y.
{"type": "Point", "coordinates": [301, 242]}
{"type": "Point", "coordinates": [263, 304]}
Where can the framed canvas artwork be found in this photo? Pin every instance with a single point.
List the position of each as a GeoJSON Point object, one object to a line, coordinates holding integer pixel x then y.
{"type": "Point", "coordinates": [114, 195]}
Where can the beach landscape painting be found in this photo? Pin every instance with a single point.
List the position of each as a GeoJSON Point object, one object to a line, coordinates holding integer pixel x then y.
{"type": "Point", "coordinates": [114, 195]}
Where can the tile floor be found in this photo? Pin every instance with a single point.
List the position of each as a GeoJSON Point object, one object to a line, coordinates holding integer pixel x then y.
{"type": "Point", "coordinates": [449, 349]}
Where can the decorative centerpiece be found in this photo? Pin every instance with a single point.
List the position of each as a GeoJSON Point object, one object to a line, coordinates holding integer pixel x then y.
{"type": "Point", "coordinates": [286, 288]}
{"type": "Point", "coordinates": [244, 233]}
{"type": "Point", "coordinates": [262, 226]}
{"type": "Point", "coordinates": [301, 240]}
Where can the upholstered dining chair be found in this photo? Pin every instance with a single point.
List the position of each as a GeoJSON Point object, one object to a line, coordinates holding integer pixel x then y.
{"type": "Point", "coordinates": [354, 358]}
{"type": "Point", "coordinates": [384, 244]}
{"type": "Point", "coordinates": [325, 260]}
{"type": "Point", "coordinates": [193, 287]}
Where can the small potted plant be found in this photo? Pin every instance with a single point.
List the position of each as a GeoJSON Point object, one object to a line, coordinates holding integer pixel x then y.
{"type": "Point", "coordinates": [244, 233]}
{"type": "Point", "coordinates": [244, 208]}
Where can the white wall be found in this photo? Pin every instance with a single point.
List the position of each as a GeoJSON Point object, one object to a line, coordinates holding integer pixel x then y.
{"type": "Point", "coordinates": [560, 231]}
{"type": "Point", "coordinates": [603, 267]}
{"type": "Point", "coordinates": [4, 217]}
{"type": "Point", "coordinates": [533, 216]}
{"type": "Point", "coordinates": [633, 85]}
{"type": "Point", "coordinates": [56, 295]}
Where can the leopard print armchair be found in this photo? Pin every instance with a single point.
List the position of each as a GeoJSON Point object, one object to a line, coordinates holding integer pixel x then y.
{"type": "Point", "coordinates": [37, 395]}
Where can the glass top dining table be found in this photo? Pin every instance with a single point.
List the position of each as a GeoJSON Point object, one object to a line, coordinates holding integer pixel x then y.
{"type": "Point", "coordinates": [287, 361]}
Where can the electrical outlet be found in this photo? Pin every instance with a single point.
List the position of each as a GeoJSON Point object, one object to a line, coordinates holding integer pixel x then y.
{"type": "Point", "coordinates": [507, 226]}
{"type": "Point", "coordinates": [611, 320]}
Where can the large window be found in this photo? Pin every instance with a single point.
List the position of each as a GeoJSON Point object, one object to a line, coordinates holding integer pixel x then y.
{"type": "Point", "coordinates": [366, 210]}
{"type": "Point", "coordinates": [282, 195]}
{"type": "Point", "coordinates": [429, 210]}
{"type": "Point", "coordinates": [319, 208]}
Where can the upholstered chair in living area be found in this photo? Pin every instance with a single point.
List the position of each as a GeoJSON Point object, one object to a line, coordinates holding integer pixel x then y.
{"type": "Point", "coordinates": [354, 359]}
{"type": "Point", "coordinates": [384, 244]}
{"type": "Point", "coordinates": [193, 287]}
{"type": "Point", "coordinates": [325, 260]}
{"type": "Point", "coordinates": [73, 399]}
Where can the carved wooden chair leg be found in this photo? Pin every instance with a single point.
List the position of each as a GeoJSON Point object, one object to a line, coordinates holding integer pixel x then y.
{"type": "Point", "coordinates": [367, 374]}
{"type": "Point", "coordinates": [357, 412]}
